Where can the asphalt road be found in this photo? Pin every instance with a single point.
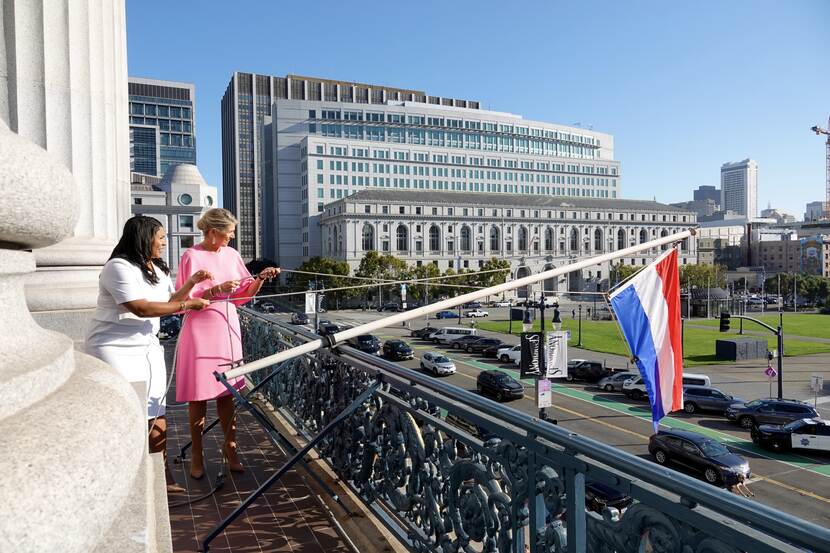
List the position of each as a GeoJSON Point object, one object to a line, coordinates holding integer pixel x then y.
{"type": "Point", "coordinates": [796, 483]}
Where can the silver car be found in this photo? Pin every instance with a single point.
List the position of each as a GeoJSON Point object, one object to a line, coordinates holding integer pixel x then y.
{"type": "Point", "coordinates": [437, 363]}
{"type": "Point", "coordinates": [614, 382]}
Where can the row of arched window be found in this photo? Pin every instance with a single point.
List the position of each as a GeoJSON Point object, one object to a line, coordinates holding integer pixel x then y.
{"type": "Point", "coordinates": [522, 240]}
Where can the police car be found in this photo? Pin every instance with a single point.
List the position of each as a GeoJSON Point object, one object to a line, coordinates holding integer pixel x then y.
{"type": "Point", "coordinates": [803, 433]}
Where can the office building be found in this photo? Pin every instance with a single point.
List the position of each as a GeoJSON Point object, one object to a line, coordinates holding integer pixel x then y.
{"type": "Point", "coordinates": [814, 211]}
{"type": "Point", "coordinates": [462, 230]}
{"type": "Point", "coordinates": [176, 201]}
{"type": "Point", "coordinates": [162, 125]}
{"type": "Point", "coordinates": [703, 208]}
{"type": "Point", "coordinates": [739, 187]}
{"type": "Point", "coordinates": [293, 144]}
{"type": "Point", "coordinates": [705, 192]}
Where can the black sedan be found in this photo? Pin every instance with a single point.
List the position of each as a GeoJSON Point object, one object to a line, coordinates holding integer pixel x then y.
{"type": "Point", "coordinates": [804, 433]}
{"type": "Point", "coordinates": [499, 385]}
{"type": "Point", "coordinates": [397, 350]}
{"type": "Point", "coordinates": [423, 333]}
{"type": "Point", "coordinates": [492, 351]}
{"type": "Point", "coordinates": [463, 341]}
{"type": "Point", "coordinates": [699, 454]}
{"type": "Point", "coordinates": [482, 344]}
{"type": "Point", "coordinates": [366, 343]}
{"type": "Point", "coordinates": [299, 319]}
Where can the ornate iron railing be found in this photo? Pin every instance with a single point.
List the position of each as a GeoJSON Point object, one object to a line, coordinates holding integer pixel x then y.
{"type": "Point", "coordinates": [499, 480]}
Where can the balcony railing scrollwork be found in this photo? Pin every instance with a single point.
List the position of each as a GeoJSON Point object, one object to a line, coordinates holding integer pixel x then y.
{"type": "Point", "coordinates": [500, 479]}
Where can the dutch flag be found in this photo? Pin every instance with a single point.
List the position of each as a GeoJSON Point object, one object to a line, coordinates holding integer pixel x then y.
{"type": "Point", "coordinates": [648, 310]}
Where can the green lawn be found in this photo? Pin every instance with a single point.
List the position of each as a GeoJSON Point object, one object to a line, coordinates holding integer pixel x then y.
{"type": "Point", "coordinates": [606, 337]}
{"type": "Point", "coordinates": [814, 325]}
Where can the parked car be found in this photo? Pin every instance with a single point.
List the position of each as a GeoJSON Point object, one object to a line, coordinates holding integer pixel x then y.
{"type": "Point", "coordinates": [811, 434]}
{"type": "Point", "coordinates": [636, 388]}
{"type": "Point", "coordinates": [390, 306]}
{"type": "Point", "coordinates": [448, 334]}
{"type": "Point", "coordinates": [499, 385]}
{"type": "Point", "coordinates": [582, 369]}
{"type": "Point", "coordinates": [397, 350]}
{"type": "Point", "coordinates": [328, 329]}
{"type": "Point", "coordinates": [462, 341]}
{"type": "Point", "coordinates": [475, 313]}
{"type": "Point", "coordinates": [769, 411]}
{"type": "Point", "coordinates": [501, 304]}
{"type": "Point", "coordinates": [299, 319]}
{"type": "Point", "coordinates": [366, 343]}
{"type": "Point", "coordinates": [598, 496]}
{"type": "Point", "coordinates": [614, 382]}
{"type": "Point", "coordinates": [471, 305]}
{"type": "Point", "coordinates": [493, 351]}
{"type": "Point", "coordinates": [267, 307]}
{"type": "Point", "coordinates": [699, 454]}
{"type": "Point", "coordinates": [601, 313]}
{"type": "Point", "coordinates": [706, 398]}
{"type": "Point", "coordinates": [510, 353]}
{"type": "Point", "coordinates": [437, 363]}
{"type": "Point", "coordinates": [481, 344]}
{"type": "Point", "coordinates": [447, 315]}
{"type": "Point", "coordinates": [423, 333]}
{"type": "Point", "coordinates": [169, 327]}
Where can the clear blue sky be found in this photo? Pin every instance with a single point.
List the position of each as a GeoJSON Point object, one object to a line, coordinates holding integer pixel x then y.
{"type": "Point", "coordinates": [682, 86]}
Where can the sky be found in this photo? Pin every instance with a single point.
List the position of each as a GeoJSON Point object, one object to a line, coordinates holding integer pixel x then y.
{"type": "Point", "coordinates": [682, 86]}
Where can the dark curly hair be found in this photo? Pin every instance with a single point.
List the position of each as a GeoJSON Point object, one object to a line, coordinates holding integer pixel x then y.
{"type": "Point", "coordinates": [136, 245]}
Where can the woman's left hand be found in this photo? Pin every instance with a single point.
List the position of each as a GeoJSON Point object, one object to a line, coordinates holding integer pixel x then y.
{"type": "Point", "coordinates": [200, 275]}
{"type": "Point", "coordinates": [269, 273]}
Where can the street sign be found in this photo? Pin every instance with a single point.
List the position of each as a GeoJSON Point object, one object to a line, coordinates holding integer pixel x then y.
{"type": "Point", "coordinates": [770, 372]}
{"type": "Point", "coordinates": [309, 303]}
{"type": "Point", "coordinates": [544, 396]}
{"type": "Point", "coordinates": [816, 383]}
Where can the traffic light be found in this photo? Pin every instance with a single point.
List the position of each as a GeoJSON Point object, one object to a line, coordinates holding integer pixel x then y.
{"type": "Point", "coordinates": [724, 322]}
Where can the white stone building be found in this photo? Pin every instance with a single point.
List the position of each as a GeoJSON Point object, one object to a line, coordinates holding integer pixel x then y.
{"type": "Point", "coordinates": [462, 230]}
{"type": "Point", "coordinates": [739, 187]}
{"type": "Point", "coordinates": [176, 201]}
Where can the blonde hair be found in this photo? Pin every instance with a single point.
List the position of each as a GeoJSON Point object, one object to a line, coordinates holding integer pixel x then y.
{"type": "Point", "coordinates": [216, 218]}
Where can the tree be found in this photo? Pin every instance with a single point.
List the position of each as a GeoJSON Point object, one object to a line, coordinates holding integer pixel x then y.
{"type": "Point", "coordinates": [298, 281]}
{"type": "Point", "coordinates": [381, 267]}
{"type": "Point", "coordinates": [421, 291]}
{"type": "Point", "coordinates": [492, 279]}
{"type": "Point", "coordinates": [620, 272]}
{"type": "Point", "coordinates": [702, 275]}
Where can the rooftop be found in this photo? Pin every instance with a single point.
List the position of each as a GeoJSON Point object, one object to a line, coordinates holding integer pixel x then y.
{"type": "Point", "coordinates": [504, 200]}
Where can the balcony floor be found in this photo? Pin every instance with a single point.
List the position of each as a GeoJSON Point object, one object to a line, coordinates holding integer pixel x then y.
{"type": "Point", "coordinates": [286, 518]}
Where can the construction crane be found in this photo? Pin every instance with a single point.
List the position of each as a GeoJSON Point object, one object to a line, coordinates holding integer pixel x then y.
{"type": "Point", "coordinates": [818, 130]}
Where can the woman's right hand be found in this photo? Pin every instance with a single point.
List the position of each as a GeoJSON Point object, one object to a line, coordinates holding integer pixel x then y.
{"type": "Point", "coordinates": [229, 286]}
{"type": "Point", "coordinates": [196, 304]}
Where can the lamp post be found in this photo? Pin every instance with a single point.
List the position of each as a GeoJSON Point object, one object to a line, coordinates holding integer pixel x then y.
{"type": "Point", "coordinates": [510, 316]}
{"type": "Point", "coordinates": [579, 341]}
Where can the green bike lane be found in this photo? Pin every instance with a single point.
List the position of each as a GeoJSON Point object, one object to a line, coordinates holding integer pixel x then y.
{"type": "Point", "coordinates": [795, 460]}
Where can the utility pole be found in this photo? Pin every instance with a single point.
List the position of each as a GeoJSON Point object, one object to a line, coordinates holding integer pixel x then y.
{"type": "Point", "coordinates": [795, 292]}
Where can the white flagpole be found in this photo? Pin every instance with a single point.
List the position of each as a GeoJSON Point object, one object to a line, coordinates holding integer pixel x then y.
{"type": "Point", "coordinates": [398, 318]}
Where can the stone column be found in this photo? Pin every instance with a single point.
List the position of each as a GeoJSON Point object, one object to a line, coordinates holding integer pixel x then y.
{"type": "Point", "coordinates": [63, 86]}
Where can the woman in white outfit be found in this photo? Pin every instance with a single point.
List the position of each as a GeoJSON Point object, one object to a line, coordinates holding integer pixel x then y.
{"type": "Point", "coordinates": [134, 290]}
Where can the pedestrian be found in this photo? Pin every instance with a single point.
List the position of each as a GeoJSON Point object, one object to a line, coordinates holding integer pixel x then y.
{"type": "Point", "coordinates": [573, 313]}
{"type": "Point", "coordinates": [134, 291]}
{"type": "Point", "coordinates": [211, 340]}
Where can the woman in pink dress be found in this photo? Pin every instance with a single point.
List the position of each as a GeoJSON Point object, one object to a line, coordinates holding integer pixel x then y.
{"type": "Point", "coordinates": [211, 339]}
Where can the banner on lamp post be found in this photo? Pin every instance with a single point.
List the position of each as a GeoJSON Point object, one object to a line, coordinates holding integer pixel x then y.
{"type": "Point", "coordinates": [309, 303]}
{"type": "Point", "coordinates": [530, 364]}
{"type": "Point", "coordinates": [556, 354]}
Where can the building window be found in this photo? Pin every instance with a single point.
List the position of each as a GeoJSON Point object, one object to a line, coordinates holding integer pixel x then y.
{"type": "Point", "coordinates": [137, 201]}
{"type": "Point", "coordinates": [522, 239]}
{"type": "Point", "coordinates": [401, 210]}
{"type": "Point", "coordinates": [435, 211]}
{"type": "Point", "coordinates": [368, 237]}
{"type": "Point", "coordinates": [417, 210]}
{"type": "Point", "coordinates": [434, 239]}
{"type": "Point", "coordinates": [186, 222]}
{"type": "Point", "coordinates": [495, 239]}
{"type": "Point", "coordinates": [385, 209]}
{"type": "Point", "coordinates": [450, 246]}
{"type": "Point", "coordinates": [466, 241]}
{"type": "Point", "coordinates": [185, 199]}
{"type": "Point", "coordinates": [385, 245]}
{"type": "Point", "coordinates": [367, 209]}
{"type": "Point", "coordinates": [597, 240]}
{"type": "Point", "coordinates": [419, 246]}
{"type": "Point", "coordinates": [402, 238]}
{"type": "Point", "coordinates": [574, 245]}
{"type": "Point", "coordinates": [185, 242]}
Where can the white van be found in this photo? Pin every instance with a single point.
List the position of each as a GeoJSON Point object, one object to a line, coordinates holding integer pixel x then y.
{"type": "Point", "coordinates": [450, 333]}
{"type": "Point", "coordinates": [636, 388]}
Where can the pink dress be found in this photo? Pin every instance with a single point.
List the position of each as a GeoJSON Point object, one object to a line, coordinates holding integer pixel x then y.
{"type": "Point", "coordinates": [210, 337]}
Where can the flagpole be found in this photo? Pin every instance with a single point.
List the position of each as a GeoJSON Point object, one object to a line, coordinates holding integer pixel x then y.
{"type": "Point", "coordinates": [398, 318]}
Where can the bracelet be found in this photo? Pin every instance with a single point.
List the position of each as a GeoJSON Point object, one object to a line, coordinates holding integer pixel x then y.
{"type": "Point", "coordinates": [182, 306]}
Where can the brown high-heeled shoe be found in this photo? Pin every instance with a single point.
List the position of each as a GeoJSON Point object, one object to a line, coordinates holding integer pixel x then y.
{"type": "Point", "coordinates": [235, 465]}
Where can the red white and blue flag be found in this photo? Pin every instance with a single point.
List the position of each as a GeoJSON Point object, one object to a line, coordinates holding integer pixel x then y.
{"type": "Point", "coordinates": [648, 310]}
